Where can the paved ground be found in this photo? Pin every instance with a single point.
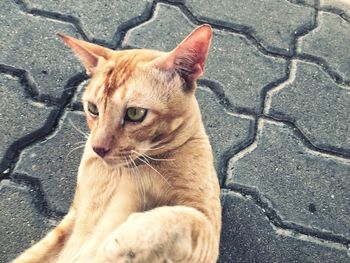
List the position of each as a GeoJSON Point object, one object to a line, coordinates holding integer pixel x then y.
{"type": "Point", "coordinates": [275, 101]}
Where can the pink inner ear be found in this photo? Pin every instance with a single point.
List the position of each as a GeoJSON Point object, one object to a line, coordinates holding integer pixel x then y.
{"type": "Point", "coordinates": [188, 58]}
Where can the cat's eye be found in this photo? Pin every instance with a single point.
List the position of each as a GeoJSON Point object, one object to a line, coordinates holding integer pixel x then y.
{"type": "Point", "coordinates": [92, 108]}
{"type": "Point", "coordinates": [135, 114]}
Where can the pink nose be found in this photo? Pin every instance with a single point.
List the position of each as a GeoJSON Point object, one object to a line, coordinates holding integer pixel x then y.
{"type": "Point", "coordinates": [101, 151]}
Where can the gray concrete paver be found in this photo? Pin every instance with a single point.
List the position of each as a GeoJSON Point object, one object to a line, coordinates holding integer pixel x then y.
{"type": "Point", "coordinates": [226, 130]}
{"type": "Point", "coordinates": [304, 187]}
{"type": "Point", "coordinates": [329, 42]}
{"type": "Point", "coordinates": [29, 42]}
{"type": "Point", "coordinates": [343, 6]}
{"type": "Point", "coordinates": [21, 224]}
{"type": "Point", "coordinates": [54, 162]}
{"type": "Point", "coordinates": [19, 115]}
{"type": "Point", "coordinates": [274, 23]}
{"type": "Point", "coordinates": [317, 105]}
{"type": "Point", "coordinates": [99, 19]}
{"type": "Point", "coordinates": [241, 218]}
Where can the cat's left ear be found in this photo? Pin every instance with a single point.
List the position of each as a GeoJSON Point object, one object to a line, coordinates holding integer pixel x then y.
{"type": "Point", "coordinates": [189, 57]}
{"type": "Point", "coordinates": [89, 54]}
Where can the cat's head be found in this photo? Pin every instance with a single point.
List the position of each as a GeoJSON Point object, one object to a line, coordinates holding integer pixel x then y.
{"type": "Point", "coordinates": [141, 102]}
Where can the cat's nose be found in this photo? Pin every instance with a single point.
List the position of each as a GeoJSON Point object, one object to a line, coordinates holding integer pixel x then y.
{"type": "Point", "coordinates": [101, 151]}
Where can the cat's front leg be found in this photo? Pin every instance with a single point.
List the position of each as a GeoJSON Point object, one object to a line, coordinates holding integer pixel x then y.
{"type": "Point", "coordinates": [165, 234]}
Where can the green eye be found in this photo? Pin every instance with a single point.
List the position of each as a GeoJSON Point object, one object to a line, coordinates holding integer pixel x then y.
{"type": "Point", "coordinates": [135, 114]}
{"type": "Point", "coordinates": [92, 108]}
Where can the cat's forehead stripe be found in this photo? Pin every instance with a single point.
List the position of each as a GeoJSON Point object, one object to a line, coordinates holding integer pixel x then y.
{"type": "Point", "coordinates": [119, 75]}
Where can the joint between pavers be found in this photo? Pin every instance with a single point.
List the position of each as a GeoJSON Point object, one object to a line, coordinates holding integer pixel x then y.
{"type": "Point", "coordinates": [227, 155]}
{"type": "Point", "coordinates": [38, 195]}
{"type": "Point", "coordinates": [217, 89]}
{"type": "Point", "coordinates": [301, 3]}
{"type": "Point", "coordinates": [271, 86]}
{"type": "Point", "coordinates": [223, 101]}
{"type": "Point", "coordinates": [276, 220]}
{"type": "Point", "coordinates": [336, 77]}
{"type": "Point", "coordinates": [243, 30]}
{"type": "Point", "coordinates": [12, 154]}
{"type": "Point", "coordinates": [336, 11]}
{"type": "Point", "coordinates": [123, 28]}
{"type": "Point", "coordinates": [25, 80]}
{"type": "Point", "coordinates": [86, 35]}
{"type": "Point", "coordinates": [307, 29]}
{"type": "Point", "coordinates": [24, 6]}
{"type": "Point", "coordinates": [246, 31]}
{"type": "Point", "coordinates": [330, 151]}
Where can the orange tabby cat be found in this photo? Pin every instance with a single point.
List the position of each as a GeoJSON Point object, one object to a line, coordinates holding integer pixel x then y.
{"type": "Point", "coordinates": [147, 190]}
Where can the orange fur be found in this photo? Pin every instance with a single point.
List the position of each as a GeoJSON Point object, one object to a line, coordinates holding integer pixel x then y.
{"type": "Point", "coordinates": [163, 207]}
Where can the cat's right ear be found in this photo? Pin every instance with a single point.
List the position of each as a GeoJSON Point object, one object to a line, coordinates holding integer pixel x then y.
{"type": "Point", "coordinates": [189, 57]}
{"type": "Point", "coordinates": [89, 54]}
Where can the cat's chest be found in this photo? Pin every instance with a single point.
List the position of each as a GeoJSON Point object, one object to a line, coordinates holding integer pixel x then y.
{"type": "Point", "coordinates": [106, 203]}
{"type": "Point", "coordinates": [102, 205]}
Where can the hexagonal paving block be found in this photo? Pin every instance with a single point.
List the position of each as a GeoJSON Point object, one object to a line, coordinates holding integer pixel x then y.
{"type": "Point", "coordinates": [274, 23]}
{"type": "Point", "coordinates": [20, 223]}
{"type": "Point", "coordinates": [55, 161]}
{"type": "Point", "coordinates": [233, 60]}
{"type": "Point", "coordinates": [100, 19]}
{"type": "Point", "coordinates": [20, 117]}
{"type": "Point", "coordinates": [325, 121]}
{"type": "Point", "coordinates": [330, 42]}
{"type": "Point", "coordinates": [247, 236]}
{"type": "Point", "coordinates": [304, 187]}
{"type": "Point", "coordinates": [342, 5]}
{"type": "Point", "coordinates": [29, 42]}
{"type": "Point", "coordinates": [226, 130]}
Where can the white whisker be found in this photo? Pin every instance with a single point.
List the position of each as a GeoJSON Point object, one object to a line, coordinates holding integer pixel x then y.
{"type": "Point", "coordinates": [71, 151]}
{"type": "Point", "coordinates": [151, 158]}
{"type": "Point", "coordinates": [81, 142]}
{"type": "Point", "coordinates": [86, 135]}
{"type": "Point", "coordinates": [139, 179]}
{"type": "Point", "coordinates": [154, 169]}
{"type": "Point", "coordinates": [152, 149]}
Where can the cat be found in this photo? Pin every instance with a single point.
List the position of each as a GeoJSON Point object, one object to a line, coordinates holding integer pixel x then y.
{"type": "Point", "coordinates": [147, 189]}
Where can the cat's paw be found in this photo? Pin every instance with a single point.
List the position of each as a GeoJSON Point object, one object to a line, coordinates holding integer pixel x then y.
{"type": "Point", "coordinates": [145, 238]}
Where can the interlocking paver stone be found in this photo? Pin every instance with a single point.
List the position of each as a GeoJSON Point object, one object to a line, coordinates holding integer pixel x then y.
{"type": "Point", "coordinates": [55, 162]}
{"type": "Point", "coordinates": [274, 23]}
{"type": "Point", "coordinates": [29, 42]}
{"type": "Point", "coordinates": [326, 120]}
{"type": "Point", "coordinates": [19, 116]}
{"type": "Point", "coordinates": [225, 130]}
{"type": "Point", "coordinates": [20, 222]}
{"type": "Point", "coordinates": [343, 5]}
{"type": "Point", "coordinates": [305, 187]}
{"type": "Point", "coordinates": [233, 60]}
{"type": "Point", "coordinates": [330, 42]}
{"type": "Point", "coordinates": [241, 218]}
{"type": "Point", "coordinates": [100, 19]}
